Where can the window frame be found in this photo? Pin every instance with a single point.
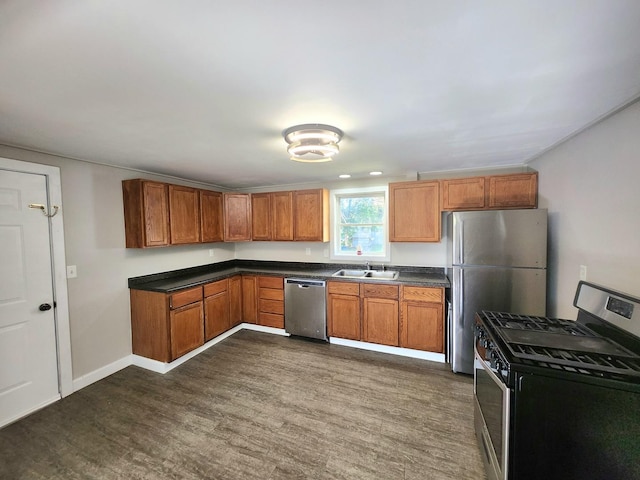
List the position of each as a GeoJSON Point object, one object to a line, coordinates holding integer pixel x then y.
{"type": "Point", "coordinates": [334, 246]}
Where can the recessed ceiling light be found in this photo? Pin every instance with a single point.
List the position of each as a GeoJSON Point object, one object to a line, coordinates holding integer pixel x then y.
{"type": "Point", "coordinates": [375, 173]}
{"type": "Point", "coordinates": [344, 175]}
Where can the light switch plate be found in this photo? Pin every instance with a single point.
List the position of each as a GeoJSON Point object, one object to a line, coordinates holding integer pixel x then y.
{"type": "Point", "coordinates": [72, 271]}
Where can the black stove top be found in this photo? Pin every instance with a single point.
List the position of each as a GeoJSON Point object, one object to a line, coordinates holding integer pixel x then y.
{"type": "Point", "coordinates": [562, 345]}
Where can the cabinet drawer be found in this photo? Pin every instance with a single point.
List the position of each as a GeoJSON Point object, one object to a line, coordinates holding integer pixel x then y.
{"type": "Point", "coordinates": [271, 320]}
{"type": "Point", "coordinates": [185, 297]}
{"type": "Point", "coordinates": [215, 287]}
{"type": "Point", "coordinates": [422, 294]}
{"type": "Point", "coordinates": [271, 306]}
{"type": "Point", "coordinates": [271, 294]}
{"type": "Point", "coordinates": [379, 291]}
{"type": "Point", "coordinates": [344, 288]}
{"type": "Point", "coordinates": [271, 282]}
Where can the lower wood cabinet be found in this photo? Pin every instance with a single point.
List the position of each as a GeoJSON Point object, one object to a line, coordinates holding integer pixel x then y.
{"type": "Point", "coordinates": [422, 318]}
{"type": "Point", "coordinates": [166, 326]}
{"type": "Point", "coordinates": [343, 310]}
{"type": "Point", "coordinates": [404, 316]}
{"type": "Point", "coordinates": [250, 298]}
{"type": "Point", "coordinates": [216, 308]}
{"type": "Point", "coordinates": [235, 300]}
{"type": "Point", "coordinates": [271, 301]}
{"type": "Point", "coordinates": [380, 314]}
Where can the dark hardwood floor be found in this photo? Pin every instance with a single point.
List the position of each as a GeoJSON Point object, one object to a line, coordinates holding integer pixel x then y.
{"type": "Point", "coordinates": [257, 406]}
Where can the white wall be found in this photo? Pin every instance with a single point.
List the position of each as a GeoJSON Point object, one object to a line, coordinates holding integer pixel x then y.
{"type": "Point", "coordinates": [99, 313]}
{"type": "Point", "coordinates": [591, 186]}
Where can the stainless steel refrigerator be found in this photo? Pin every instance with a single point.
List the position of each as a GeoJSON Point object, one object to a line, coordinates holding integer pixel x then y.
{"type": "Point", "coordinates": [497, 260]}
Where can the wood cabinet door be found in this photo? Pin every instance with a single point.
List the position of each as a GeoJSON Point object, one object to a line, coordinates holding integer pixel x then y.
{"type": "Point", "coordinates": [463, 193]}
{"type": "Point", "coordinates": [380, 321]}
{"type": "Point", "coordinates": [513, 191]}
{"type": "Point", "coordinates": [216, 314]}
{"type": "Point", "coordinates": [310, 215]}
{"type": "Point", "coordinates": [211, 216]}
{"type": "Point", "coordinates": [282, 216]}
{"type": "Point", "coordinates": [414, 211]}
{"type": "Point", "coordinates": [237, 217]}
{"type": "Point", "coordinates": [249, 299]}
{"type": "Point", "coordinates": [261, 216]}
{"type": "Point", "coordinates": [344, 316]}
{"type": "Point", "coordinates": [156, 214]}
{"type": "Point", "coordinates": [184, 214]}
{"type": "Point", "coordinates": [235, 300]}
{"type": "Point", "coordinates": [187, 329]}
{"type": "Point", "coordinates": [146, 213]}
{"type": "Point", "coordinates": [422, 326]}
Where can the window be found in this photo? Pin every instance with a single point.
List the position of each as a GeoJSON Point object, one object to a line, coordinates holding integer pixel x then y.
{"type": "Point", "coordinates": [359, 226]}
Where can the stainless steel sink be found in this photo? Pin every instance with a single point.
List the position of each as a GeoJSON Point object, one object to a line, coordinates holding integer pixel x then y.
{"type": "Point", "coordinates": [367, 274]}
{"type": "Point", "coordinates": [385, 275]}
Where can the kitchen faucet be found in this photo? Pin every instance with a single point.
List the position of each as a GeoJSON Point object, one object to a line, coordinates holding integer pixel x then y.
{"type": "Point", "coordinates": [367, 266]}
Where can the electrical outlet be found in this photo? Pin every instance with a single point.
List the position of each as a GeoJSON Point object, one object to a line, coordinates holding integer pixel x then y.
{"type": "Point", "coordinates": [307, 251]}
{"type": "Point", "coordinates": [211, 252]}
{"type": "Point", "coordinates": [325, 253]}
{"type": "Point", "coordinates": [72, 271]}
{"type": "Point", "coordinates": [583, 272]}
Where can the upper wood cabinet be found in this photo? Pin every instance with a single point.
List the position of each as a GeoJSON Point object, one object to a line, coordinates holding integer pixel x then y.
{"type": "Point", "coordinates": [146, 213]}
{"type": "Point", "coordinates": [184, 214]}
{"type": "Point", "coordinates": [237, 217]}
{"type": "Point", "coordinates": [463, 193]}
{"type": "Point", "coordinates": [261, 216]}
{"type": "Point", "coordinates": [513, 191]}
{"type": "Point", "coordinates": [311, 215]}
{"type": "Point", "coordinates": [282, 216]}
{"type": "Point", "coordinates": [211, 216]}
{"type": "Point", "coordinates": [414, 211]}
{"type": "Point", "coordinates": [491, 192]}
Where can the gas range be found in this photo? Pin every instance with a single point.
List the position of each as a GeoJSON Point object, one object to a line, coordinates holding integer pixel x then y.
{"type": "Point", "coordinates": [554, 397]}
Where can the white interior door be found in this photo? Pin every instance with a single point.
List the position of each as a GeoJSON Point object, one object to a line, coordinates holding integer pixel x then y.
{"type": "Point", "coordinates": [28, 351]}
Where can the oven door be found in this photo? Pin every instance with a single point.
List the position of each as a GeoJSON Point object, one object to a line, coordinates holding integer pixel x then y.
{"type": "Point", "coordinates": [492, 402]}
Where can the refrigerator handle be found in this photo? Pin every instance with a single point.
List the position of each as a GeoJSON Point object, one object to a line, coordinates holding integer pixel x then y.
{"type": "Point", "coordinates": [457, 320]}
{"type": "Point", "coordinates": [459, 251]}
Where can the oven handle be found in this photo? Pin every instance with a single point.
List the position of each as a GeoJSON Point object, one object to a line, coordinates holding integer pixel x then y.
{"type": "Point", "coordinates": [485, 366]}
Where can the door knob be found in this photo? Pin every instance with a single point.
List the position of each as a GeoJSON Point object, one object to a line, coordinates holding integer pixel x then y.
{"type": "Point", "coordinates": [44, 307]}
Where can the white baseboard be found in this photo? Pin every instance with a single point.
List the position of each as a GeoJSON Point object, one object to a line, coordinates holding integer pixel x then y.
{"type": "Point", "coordinates": [404, 352]}
{"type": "Point", "coordinates": [162, 367]}
{"type": "Point", "coordinates": [100, 373]}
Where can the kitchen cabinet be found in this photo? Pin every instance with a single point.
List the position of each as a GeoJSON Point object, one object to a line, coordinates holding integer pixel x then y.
{"type": "Point", "coordinates": [237, 217]}
{"type": "Point", "coordinates": [146, 213]}
{"type": "Point", "coordinates": [490, 192]}
{"type": "Point", "coordinates": [166, 326]}
{"type": "Point", "coordinates": [271, 301]}
{"type": "Point", "coordinates": [211, 216]}
{"type": "Point", "coordinates": [422, 318]}
{"type": "Point", "coordinates": [184, 215]}
{"type": "Point", "coordinates": [414, 211]}
{"type": "Point", "coordinates": [282, 216]}
{"type": "Point", "coordinates": [311, 215]}
{"type": "Point", "coordinates": [261, 216]}
{"type": "Point", "coordinates": [344, 310]}
{"type": "Point", "coordinates": [250, 298]}
{"type": "Point", "coordinates": [380, 314]}
{"type": "Point", "coordinates": [216, 308]}
{"type": "Point", "coordinates": [235, 300]}
{"type": "Point", "coordinates": [463, 193]}
{"type": "Point", "coordinates": [513, 191]}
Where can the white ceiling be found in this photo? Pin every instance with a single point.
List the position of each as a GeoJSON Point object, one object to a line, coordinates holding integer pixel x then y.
{"type": "Point", "coordinates": [202, 89]}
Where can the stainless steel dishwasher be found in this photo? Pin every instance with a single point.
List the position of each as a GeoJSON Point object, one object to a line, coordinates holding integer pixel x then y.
{"type": "Point", "coordinates": [305, 308]}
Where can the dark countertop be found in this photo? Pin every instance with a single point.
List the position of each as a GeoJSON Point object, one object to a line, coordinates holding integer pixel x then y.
{"type": "Point", "coordinates": [172, 281]}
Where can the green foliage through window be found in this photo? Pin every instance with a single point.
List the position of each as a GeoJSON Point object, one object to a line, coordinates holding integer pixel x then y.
{"type": "Point", "coordinates": [361, 223]}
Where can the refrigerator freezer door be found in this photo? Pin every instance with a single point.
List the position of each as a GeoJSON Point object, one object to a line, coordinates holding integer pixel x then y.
{"type": "Point", "coordinates": [513, 290]}
{"type": "Point", "coordinates": [510, 238]}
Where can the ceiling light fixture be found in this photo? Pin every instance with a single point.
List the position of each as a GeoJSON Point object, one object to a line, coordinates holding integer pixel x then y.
{"type": "Point", "coordinates": [344, 175]}
{"type": "Point", "coordinates": [312, 142]}
{"type": "Point", "coordinates": [375, 173]}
